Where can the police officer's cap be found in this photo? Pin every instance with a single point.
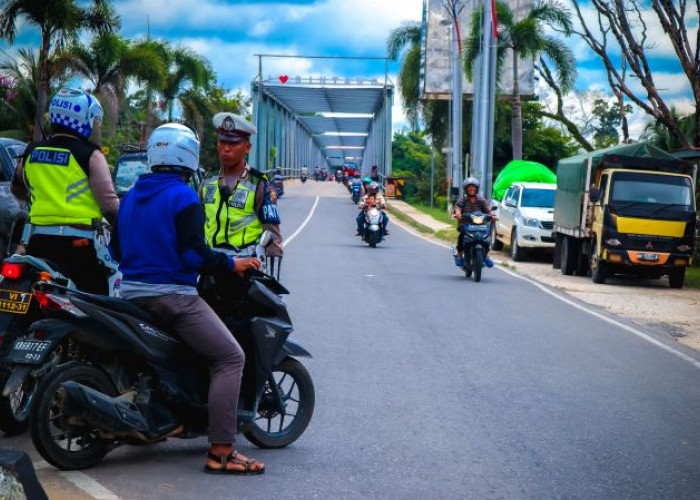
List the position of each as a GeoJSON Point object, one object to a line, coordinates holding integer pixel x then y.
{"type": "Point", "coordinates": [233, 128]}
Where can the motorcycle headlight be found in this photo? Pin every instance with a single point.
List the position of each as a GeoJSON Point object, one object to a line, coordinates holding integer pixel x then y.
{"type": "Point", "coordinates": [478, 219]}
{"type": "Point", "coordinates": [532, 222]}
{"type": "Point", "coordinates": [684, 248]}
{"type": "Point", "coordinates": [613, 242]}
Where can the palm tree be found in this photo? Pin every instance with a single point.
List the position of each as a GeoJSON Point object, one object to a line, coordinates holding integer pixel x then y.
{"type": "Point", "coordinates": [185, 69]}
{"type": "Point", "coordinates": [108, 63]}
{"type": "Point", "coordinates": [660, 136]}
{"type": "Point", "coordinates": [60, 22]}
{"type": "Point", "coordinates": [527, 39]}
{"type": "Point", "coordinates": [18, 110]}
{"type": "Point", "coordinates": [407, 39]}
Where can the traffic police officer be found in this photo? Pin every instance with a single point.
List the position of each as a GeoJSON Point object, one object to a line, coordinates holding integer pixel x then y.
{"type": "Point", "coordinates": [239, 202]}
{"type": "Point", "coordinates": [69, 184]}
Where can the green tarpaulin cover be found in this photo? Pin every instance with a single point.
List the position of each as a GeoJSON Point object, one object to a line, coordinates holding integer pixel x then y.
{"type": "Point", "coordinates": [521, 171]}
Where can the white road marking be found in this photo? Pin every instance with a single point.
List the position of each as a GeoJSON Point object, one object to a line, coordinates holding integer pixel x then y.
{"type": "Point", "coordinates": [580, 307]}
{"type": "Point", "coordinates": [89, 485]}
{"type": "Point", "coordinates": [303, 224]}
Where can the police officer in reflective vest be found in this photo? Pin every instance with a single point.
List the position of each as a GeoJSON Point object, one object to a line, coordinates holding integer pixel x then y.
{"type": "Point", "coordinates": [239, 202]}
{"type": "Point", "coordinates": [67, 180]}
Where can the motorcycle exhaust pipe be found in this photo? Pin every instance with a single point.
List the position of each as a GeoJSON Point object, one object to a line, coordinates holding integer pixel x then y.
{"type": "Point", "coordinates": [111, 415]}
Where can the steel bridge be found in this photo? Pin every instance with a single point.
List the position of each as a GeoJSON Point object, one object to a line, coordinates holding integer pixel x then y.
{"type": "Point", "coordinates": [321, 121]}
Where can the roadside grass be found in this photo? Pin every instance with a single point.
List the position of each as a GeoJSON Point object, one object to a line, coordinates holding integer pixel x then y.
{"type": "Point", "coordinates": [692, 277]}
{"type": "Point", "coordinates": [436, 213]}
{"type": "Point", "coordinates": [407, 220]}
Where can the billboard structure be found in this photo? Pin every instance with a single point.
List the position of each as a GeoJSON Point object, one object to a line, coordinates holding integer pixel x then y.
{"type": "Point", "coordinates": [437, 54]}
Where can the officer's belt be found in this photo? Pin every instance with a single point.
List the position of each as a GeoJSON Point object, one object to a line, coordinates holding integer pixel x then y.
{"type": "Point", "coordinates": [58, 231]}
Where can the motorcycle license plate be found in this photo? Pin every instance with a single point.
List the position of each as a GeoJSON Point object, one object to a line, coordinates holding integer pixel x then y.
{"type": "Point", "coordinates": [477, 227]}
{"type": "Point", "coordinates": [29, 351]}
{"type": "Point", "coordinates": [12, 301]}
{"type": "Point", "coordinates": [650, 257]}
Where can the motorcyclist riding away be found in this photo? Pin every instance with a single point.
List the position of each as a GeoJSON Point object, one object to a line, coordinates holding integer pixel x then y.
{"type": "Point", "coordinates": [372, 191]}
{"type": "Point", "coordinates": [469, 203]}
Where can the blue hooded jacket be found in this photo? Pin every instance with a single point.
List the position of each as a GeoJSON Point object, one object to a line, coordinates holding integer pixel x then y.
{"type": "Point", "coordinates": [159, 235]}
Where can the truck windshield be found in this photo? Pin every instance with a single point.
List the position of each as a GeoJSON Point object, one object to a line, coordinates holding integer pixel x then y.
{"type": "Point", "coordinates": [636, 188]}
{"type": "Point", "coordinates": [538, 198]}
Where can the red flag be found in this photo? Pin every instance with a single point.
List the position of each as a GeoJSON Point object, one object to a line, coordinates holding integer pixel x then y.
{"type": "Point", "coordinates": [494, 18]}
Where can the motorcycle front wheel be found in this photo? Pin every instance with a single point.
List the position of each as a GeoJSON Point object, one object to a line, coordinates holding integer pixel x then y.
{"type": "Point", "coordinates": [14, 409]}
{"type": "Point", "coordinates": [276, 427]}
{"type": "Point", "coordinates": [478, 263]}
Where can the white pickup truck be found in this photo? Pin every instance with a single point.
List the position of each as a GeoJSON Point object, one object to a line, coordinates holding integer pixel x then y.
{"type": "Point", "coordinates": [525, 218]}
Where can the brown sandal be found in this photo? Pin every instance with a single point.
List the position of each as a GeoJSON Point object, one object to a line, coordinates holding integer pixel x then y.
{"type": "Point", "coordinates": [233, 458]}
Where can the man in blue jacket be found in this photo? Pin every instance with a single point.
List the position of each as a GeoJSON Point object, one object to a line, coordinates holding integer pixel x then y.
{"type": "Point", "coordinates": [159, 242]}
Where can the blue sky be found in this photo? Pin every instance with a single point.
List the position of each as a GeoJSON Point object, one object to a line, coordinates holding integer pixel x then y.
{"type": "Point", "coordinates": [230, 32]}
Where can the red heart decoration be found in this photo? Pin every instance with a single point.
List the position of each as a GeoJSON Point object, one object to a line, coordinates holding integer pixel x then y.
{"type": "Point", "coordinates": [284, 78]}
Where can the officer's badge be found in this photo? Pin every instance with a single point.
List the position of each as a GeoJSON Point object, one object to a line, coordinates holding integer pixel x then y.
{"type": "Point", "coordinates": [239, 199]}
{"type": "Point", "coordinates": [228, 124]}
{"type": "Point", "coordinates": [209, 193]}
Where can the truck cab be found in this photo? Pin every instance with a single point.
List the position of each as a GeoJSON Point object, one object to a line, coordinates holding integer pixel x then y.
{"type": "Point", "coordinates": [616, 213]}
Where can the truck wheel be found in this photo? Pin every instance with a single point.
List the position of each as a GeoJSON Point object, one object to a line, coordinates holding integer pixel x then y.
{"type": "Point", "coordinates": [599, 268]}
{"type": "Point", "coordinates": [556, 259]}
{"type": "Point", "coordinates": [496, 244]}
{"type": "Point", "coordinates": [517, 253]}
{"type": "Point", "coordinates": [569, 257]}
{"type": "Point", "coordinates": [676, 278]}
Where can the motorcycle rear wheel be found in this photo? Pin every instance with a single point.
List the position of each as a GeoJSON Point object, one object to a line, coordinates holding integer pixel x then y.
{"type": "Point", "coordinates": [51, 434]}
{"type": "Point", "coordinates": [297, 390]}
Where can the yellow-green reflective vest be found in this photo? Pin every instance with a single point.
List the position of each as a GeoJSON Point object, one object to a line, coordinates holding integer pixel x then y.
{"type": "Point", "coordinates": [233, 220]}
{"type": "Point", "coordinates": [59, 189]}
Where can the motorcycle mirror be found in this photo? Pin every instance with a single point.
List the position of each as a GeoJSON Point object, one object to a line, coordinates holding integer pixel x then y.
{"type": "Point", "coordinates": [265, 238]}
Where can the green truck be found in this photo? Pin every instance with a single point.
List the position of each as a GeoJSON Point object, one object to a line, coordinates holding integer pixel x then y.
{"type": "Point", "coordinates": [628, 209]}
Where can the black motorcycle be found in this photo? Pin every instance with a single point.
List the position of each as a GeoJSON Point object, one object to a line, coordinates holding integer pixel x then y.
{"type": "Point", "coordinates": [476, 240]}
{"type": "Point", "coordinates": [18, 276]}
{"type": "Point", "coordinates": [126, 379]}
{"type": "Point", "coordinates": [303, 178]}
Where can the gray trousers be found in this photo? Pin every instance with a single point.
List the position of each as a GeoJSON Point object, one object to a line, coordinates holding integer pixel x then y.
{"type": "Point", "coordinates": [199, 326]}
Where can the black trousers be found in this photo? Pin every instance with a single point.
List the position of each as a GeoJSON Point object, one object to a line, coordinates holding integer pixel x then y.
{"type": "Point", "coordinates": [74, 257]}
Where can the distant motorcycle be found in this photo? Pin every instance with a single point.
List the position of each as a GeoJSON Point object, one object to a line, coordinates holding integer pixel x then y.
{"type": "Point", "coordinates": [303, 178]}
{"type": "Point", "coordinates": [476, 228]}
{"type": "Point", "coordinates": [374, 229]}
{"type": "Point", "coordinates": [356, 193]}
{"type": "Point", "coordinates": [278, 184]}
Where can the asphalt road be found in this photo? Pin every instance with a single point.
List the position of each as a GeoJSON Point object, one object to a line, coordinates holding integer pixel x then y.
{"type": "Point", "coordinates": [432, 386]}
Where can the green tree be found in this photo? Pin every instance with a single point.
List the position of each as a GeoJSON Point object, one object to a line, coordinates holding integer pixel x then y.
{"type": "Point", "coordinates": [59, 23]}
{"type": "Point", "coordinates": [185, 70]}
{"type": "Point", "coordinates": [609, 118]}
{"type": "Point", "coordinates": [527, 38]}
{"type": "Point", "coordinates": [406, 39]}
{"type": "Point", "coordinates": [658, 133]}
{"type": "Point", "coordinates": [109, 62]}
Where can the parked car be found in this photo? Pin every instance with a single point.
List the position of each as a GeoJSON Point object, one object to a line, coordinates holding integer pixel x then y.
{"type": "Point", "coordinates": [13, 213]}
{"type": "Point", "coordinates": [525, 218]}
{"type": "Point", "coordinates": [132, 164]}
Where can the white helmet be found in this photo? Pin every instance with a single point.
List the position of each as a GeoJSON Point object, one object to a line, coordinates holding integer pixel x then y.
{"type": "Point", "coordinates": [471, 181]}
{"type": "Point", "coordinates": [173, 145]}
{"type": "Point", "coordinates": [75, 110]}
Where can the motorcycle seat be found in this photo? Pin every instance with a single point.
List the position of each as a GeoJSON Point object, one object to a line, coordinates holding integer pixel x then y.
{"type": "Point", "coordinates": [127, 307]}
